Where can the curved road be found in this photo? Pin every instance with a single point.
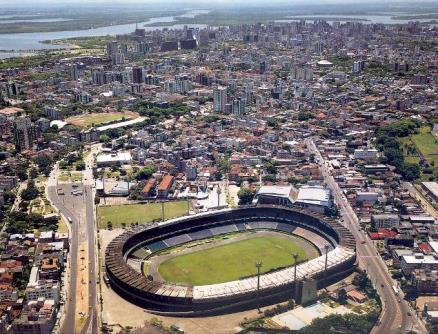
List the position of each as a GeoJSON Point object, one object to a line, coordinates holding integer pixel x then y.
{"type": "Point", "coordinates": [397, 315]}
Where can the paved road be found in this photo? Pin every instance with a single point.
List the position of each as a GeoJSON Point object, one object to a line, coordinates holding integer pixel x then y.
{"type": "Point", "coordinates": [65, 207]}
{"type": "Point", "coordinates": [91, 323]}
{"type": "Point", "coordinates": [77, 207]}
{"type": "Point", "coordinates": [394, 317]}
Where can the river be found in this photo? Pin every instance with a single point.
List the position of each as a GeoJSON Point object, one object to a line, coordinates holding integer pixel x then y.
{"type": "Point", "coordinates": [16, 43]}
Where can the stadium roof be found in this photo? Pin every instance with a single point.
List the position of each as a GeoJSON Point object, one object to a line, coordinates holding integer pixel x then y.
{"type": "Point", "coordinates": [279, 191]}
{"type": "Point", "coordinates": [432, 187]}
{"type": "Point", "coordinates": [316, 195]}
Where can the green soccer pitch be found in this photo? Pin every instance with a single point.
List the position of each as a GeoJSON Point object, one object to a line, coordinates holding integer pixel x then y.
{"type": "Point", "coordinates": [232, 261]}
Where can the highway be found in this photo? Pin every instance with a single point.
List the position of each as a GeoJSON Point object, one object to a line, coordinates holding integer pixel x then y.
{"type": "Point", "coordinates": [397, 315]}
{"type": "Point", "coordinates": [91, 323]}
{"type": "Point", "coordinates": [67, 210]}
{"type": "Point", "coordinates": [80, 209]}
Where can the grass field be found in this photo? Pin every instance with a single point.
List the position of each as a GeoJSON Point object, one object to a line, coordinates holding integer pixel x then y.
{"type": "Point", "coordinates": [426, 144]}
{"type": "Point", "coordinates": [94, 119]}
{"type": "Point", "coordinates": [70, 177]}
{"type": "Point", "coordinates": [231, 261]}
{"type": "Point", "coordinates": [138, 213]}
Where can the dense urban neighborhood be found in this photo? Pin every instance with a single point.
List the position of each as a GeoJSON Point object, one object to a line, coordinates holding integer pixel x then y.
{"type": "Point", "coordinates": [116, 150]}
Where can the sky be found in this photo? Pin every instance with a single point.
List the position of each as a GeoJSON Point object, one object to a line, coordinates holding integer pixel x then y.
{"type": "Point", "coordinates": [215, 2]}
{"type": "Point", "coordinates": [207, 4]}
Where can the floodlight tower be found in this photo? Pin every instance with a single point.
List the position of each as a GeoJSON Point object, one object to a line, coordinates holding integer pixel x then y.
{"type": "Point", "coordinates": [218, 191]}
{"type": "Point", "coordinates": [326, 259]}
{"type": "Point", "coordinates": [295, 256]}
{"type": "Point", "coordinates": [258, 266]}
{"type": "Point", "coordinates": [162, 211]}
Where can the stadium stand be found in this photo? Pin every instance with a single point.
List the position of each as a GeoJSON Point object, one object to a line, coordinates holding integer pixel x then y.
{"type": "Point", "coordinates": [126, 250]}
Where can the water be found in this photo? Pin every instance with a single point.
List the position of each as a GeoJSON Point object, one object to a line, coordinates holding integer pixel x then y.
{"type": "Point", "coordinates": [16, 43]}
{"type": "Point", "coordinates": [32, 41]}
{"type": "Point", "coordinates": [384, 19]}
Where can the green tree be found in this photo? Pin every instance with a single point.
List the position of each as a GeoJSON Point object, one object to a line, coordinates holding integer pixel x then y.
{"type": "Point", "coordinates": [104, 139]}
{"type": "Point", "coordinates": [80, 165]}
{"type": "Point", "coordinates": [30, 192]}
{"type": "Point", "coordinates": [33, 173]}
{"type": "Point", "coordinates": [304, 116]}
{"type": "Point", "coordinates": [21, 172]}
{"type": "Point", "coordinates": [271, 167]}
{"type": "Point", "coordinates": [342, 296]}
{"type": "Point", "coordinates": [245, 195]}
{"type": "Point", "coordinates": [146, 172]}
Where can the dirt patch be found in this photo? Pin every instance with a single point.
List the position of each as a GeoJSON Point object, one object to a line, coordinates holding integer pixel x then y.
{"type": "Point", "coordinates": [82, 287]}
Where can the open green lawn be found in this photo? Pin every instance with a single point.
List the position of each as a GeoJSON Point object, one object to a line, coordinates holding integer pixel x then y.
{"type": "Point", "coordinates": [70, 177]}
{"type": "Point", "coordinates": [138, 213]}
{"type": "Point", "coordinates": [231, 261]}
{"type": "Point", "coordinates": [95, 119]}
{"type": "Point", "coordinates": [427, 144]}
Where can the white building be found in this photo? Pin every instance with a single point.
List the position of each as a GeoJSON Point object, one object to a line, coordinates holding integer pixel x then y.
{"type": "Point", "coordinates": [46, 289]}
{"type": "Point", "coordinates": [316, 198]}
{"type": "Point", "coordinates": [119, 158]}
{"type": "Point", "coordinates": [367, 196]}
{"type": "Point", "coordinates": [277, 195]}
{"type": "Point", "coordinates": [418, 260]}
{"type": "Point", "coordinates": [219, 99]}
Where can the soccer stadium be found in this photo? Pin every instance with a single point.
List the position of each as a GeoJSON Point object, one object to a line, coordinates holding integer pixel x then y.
{"type": "Point", "coordinates": [228, 260]}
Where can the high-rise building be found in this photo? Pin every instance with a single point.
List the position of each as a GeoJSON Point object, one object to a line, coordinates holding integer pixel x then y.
{"type": "Point", "coordinates": [118, 58]}
{"type": "Point", "coordinates": [188, 44]}
{"type": "Point", "coordinates": [24, 133]}
{"type": "Point", "coordinates": [183, 83]}
{"type": "Point", "coordinates": [169, 46]}
{"type": "Point", "coordinates": [248, 93]}
{"type": "Point", "coordinates": [358, 66]}
{"type": "Point", "coordinates": [75, 72]}
{"type": "Point", "coordinates": [137, 75]}
{"type": "Point", "coordinates": [98, 76]}
{"type": "Point", "coordinates": [170, 86]}
{"type": "Point", "coordinates": [238, 106]}
{"type": "Point", "coordinates": [302, 73]}
{"type": "Point", "coordinates": [141, 47]}
{"type": "Point", "coordinates": [262, 67]}
{"type": "Point", "coordinates": [124, 48]}
{"type": "Point", "coordinates": [112, 48]}
{"type": "Point", "coordinates": [219, 99]}
{"type": "Point", "coordinates": [189, 33]}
